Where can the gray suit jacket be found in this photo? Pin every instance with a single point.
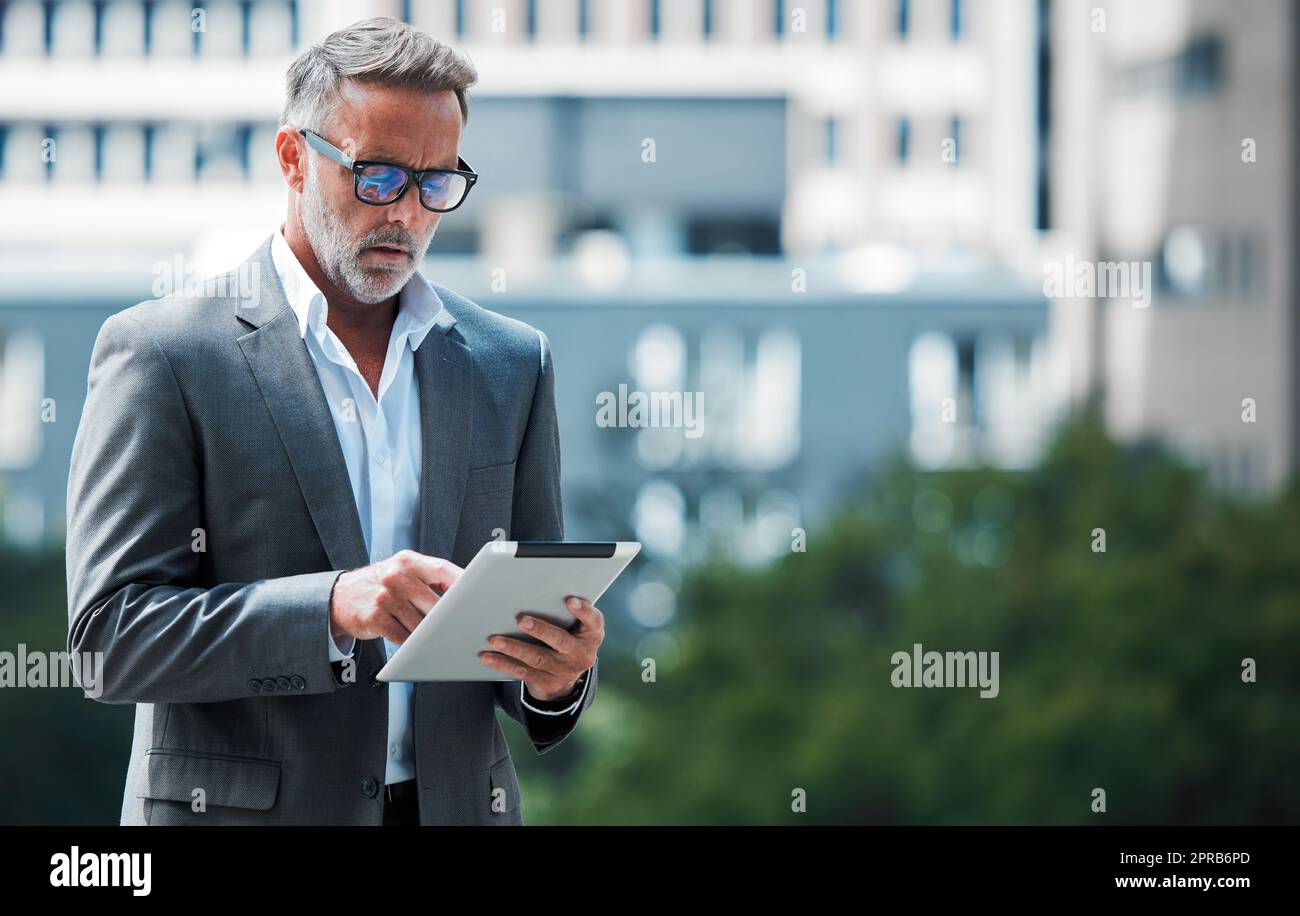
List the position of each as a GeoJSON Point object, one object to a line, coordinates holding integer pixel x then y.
{"type": "Point", "coordinates": [209, 513]}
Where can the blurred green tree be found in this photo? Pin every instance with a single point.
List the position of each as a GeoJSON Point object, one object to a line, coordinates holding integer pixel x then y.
{"type": "Point", "coordinates": [1119, 670]}
{"type": "Point", "coordinates": [65, 755]}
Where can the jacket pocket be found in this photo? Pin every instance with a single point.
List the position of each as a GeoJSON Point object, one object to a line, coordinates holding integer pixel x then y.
{"type": "Point", "coordinates": [486, 510]}
{"type": "Point", "coordinates": [495, 478]}
{"type": "Point", "coordinates": [225, 780]}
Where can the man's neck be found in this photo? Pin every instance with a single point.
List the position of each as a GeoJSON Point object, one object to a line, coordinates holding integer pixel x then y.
{"type": "Point", "coordinates": [348, 317]}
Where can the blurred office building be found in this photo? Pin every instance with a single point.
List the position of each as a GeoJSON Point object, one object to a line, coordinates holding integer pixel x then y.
{"type": "Point", "coordinates": [1174, 127]}
{"type": "Point", "coordinates": [827, 219]}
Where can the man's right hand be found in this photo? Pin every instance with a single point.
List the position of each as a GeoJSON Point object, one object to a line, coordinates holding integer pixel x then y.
{"type": "Point", "coordinates": [391, 597]}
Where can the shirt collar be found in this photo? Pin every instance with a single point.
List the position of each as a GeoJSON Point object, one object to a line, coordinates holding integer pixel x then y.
{"type": "Point", "coordinates": [419, 307]}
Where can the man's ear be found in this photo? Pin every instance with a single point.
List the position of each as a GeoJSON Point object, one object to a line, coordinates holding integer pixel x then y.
{"type": "Point", "coordinates": [291, 151]}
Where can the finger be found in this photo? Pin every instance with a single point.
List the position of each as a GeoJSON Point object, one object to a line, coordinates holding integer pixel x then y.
{"type": "Point", "coordinates": [418, 594]}
{"type": "Point", "coordinates": [558, 638]}
{"type": "Point", "coordinates": [407, 615]}
{"type": "Point", "coordinates": [507, 665]}
{"type": "Point", "coordinates": [434, 571]}
{"type": "Point", "coordinates": [538, 657]}
{"type": "Point", "coordinates": [589, 616]}
{"type": "Point", "coordinates": [393, 630]}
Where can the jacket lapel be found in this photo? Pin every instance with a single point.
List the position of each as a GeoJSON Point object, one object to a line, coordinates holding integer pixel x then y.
{"type": "Point", "coordinates": [292, 391]}
{"type": "Point", "coordinates": [444, 367]}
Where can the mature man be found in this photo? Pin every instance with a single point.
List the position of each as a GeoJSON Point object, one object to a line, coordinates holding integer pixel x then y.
{"type": "Point", "coordinates": [269, 490]}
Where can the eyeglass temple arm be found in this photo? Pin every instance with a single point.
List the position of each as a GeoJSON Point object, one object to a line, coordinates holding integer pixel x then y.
{"type": "Point", "coordinates": [325, 148]}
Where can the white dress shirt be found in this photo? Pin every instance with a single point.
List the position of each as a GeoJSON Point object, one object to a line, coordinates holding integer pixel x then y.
{"type": "Point", "coordinates": [380, 439]}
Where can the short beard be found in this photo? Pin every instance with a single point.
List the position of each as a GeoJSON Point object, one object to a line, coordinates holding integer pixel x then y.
{"type": "Point", "coordinates": [339, 255]}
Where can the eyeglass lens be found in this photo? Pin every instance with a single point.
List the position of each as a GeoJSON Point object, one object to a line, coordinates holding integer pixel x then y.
{"type": "Point", "coordinates": [380, 184]}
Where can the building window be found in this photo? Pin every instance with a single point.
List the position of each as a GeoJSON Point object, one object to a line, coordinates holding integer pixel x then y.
{"type": "Point", "coordinates": [22, 384]}
{"type": "Point", "coordinates": [955, 19]}
{"type": "Point", "coordinates": [659, 517]}
{"type": "Point", "coordinates": [954, 128]}
{"type": "Point", "coordinates": [1200, 66]}
{"type": "Point", "coordinates": [1187, 262]}
{"type": "Point", "coordinates": [1247, 270]}
{"type": "Point", "coordinates": [904, 18]}
{"type": "Point", "coordinates": [659, 361]}
{"type": "Point", "coordinates": [778, 21]}
{"type": "Point", "coordinates": [758, 235]}
{"type": "Point", "coordinates": [51, 133]}
{"type": "Point", "coordinates": [222, 152]}
{"type": "Point", "coordinates": [149, 131]}
{"type": "Point", "coordinates": [832, 127]}
{"type": "Point", "coordinates": [1223, 277]}
{"type": "Point", "coordinates": [97, 14]}
{"type": "Point", "coordinates": [1197, 69]}
{"type": "Point", "coordinates": [904, 140]}
{"type": "Point", "coordinates": [48, 27]}
{"type": "Point", "coordinates": [936, 404]}
{"type": "Point", "coordinates": [97, 131]}
{"type": "Point", "coordinates": [772, 428]}
{"type": "Point", "coordinates": [708, 19]}
{"type": "Point", "coordinates": [246, 26]}
{"type": "Point", "coordinates": [755, 397]}
{"type": "Point", "coordinates": [832, 20]}
{"type": "Point", "coordinates": [1043, 118]}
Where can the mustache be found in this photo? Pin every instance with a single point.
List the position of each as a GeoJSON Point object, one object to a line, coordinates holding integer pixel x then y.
{"type": "Point", "coordinates": [401, 239]}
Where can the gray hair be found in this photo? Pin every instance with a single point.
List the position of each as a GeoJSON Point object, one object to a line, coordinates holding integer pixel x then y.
{"type": "Point", "coordinates": [380, 51]}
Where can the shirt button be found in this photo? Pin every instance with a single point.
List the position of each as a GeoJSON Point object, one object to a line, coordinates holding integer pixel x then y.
{"type": "Point", "coordinates": [369, 787]}
{"type": "Point", "coordinates": [381, 456]}
{"type": "Point", "coordinates": [392, 749]}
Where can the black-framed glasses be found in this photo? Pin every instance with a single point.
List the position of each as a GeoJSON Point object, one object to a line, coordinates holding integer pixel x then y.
{"type": "Point", "coordinates": [382, 183]}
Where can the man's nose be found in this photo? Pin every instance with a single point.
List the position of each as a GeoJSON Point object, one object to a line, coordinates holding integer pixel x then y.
{"type": "Point", "coordinates": [408, 211]}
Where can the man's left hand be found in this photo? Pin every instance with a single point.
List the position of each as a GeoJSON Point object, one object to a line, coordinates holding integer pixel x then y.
{"type": "Point", "coordinates": [550, 671]}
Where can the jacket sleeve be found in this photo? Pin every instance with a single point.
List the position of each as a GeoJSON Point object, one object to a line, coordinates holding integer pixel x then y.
{"type": "Point", "coordinates": [538, 515]}
{"type": "Point", "coordinates": [134, 511]}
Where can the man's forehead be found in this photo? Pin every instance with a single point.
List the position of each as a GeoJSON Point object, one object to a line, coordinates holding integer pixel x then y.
{"type": "Point", "coordinates": [362, 103]}
{"type": "Point", "coordinates": [410, 135]}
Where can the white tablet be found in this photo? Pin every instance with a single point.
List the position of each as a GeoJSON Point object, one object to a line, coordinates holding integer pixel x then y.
{"type": "Point", "coordinates": [503, 579]}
